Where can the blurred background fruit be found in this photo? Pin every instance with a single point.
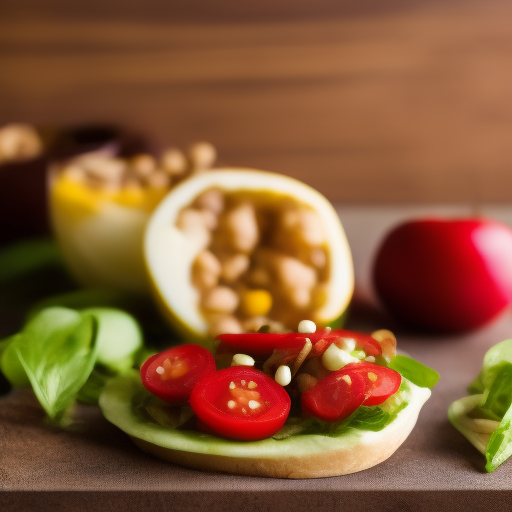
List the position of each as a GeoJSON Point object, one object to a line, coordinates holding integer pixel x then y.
{"type": "Point", "coordinates": [447, 275]}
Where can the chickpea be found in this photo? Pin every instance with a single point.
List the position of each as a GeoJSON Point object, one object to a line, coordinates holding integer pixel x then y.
{"type": "Point", "coordinates": [202, 156]}
{"type": "Point", "coordinates": [206, 270]}
{"type": "Point", "coordinates": [239, 228]}
{"type": "Point", "coordinates": [158, 180]}
{"type": "Point", "coordinates": [212, 199]}
{"type": "Point", "coordinates": [302, 226]}
{"type": "Point", "coordinates": [19, 142]}
{"type": "Point", "coordinates": [221, 300]}
{"type": "Point", "coordinates": [234, 266]}
{"type": "Point", "coordinates": [174, 162]}
{"type": "Point", "coordinates": [225, 325]}
{"type": "Point", "coordinates": [143, 165]}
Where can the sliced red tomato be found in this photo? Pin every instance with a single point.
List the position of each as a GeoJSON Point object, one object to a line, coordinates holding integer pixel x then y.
{"type": "Point", "coordinates": [259, 344]}
{"type": "Point", "coordinates": [241, 403]}
{"type": "Point", "coordinates": [363, 341]}
{"type": "Point", "coordinates": [334, 397]}
{"type": "Point", "coordinates": [172, 375]}
{"type": "Point", "coordinates": [262, 345]}
{"type": "Point", "coordinates": [380, 382]}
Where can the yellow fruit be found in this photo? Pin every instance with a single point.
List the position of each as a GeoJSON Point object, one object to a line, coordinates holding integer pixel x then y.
{"type": "Point", "coordinates": [100, 233]}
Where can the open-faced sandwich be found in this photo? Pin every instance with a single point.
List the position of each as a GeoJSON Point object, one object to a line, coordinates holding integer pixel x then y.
{"type": "Point", "coordinates": [304, 404]}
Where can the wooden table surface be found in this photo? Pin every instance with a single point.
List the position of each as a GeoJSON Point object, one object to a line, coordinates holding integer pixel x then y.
{"type": "Point", "coordinates": [95, 465]}
{"type": "Point", "coordinates": [374, 101]}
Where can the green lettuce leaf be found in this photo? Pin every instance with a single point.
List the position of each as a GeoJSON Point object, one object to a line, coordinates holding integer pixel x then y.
{"type": "Point", "coordinates": [417, 373]}
{"type": "Point", "coordinates": [485, 417]}
{"type": "Point", "coordinates": [477, 386]}
{"type": "Point", "coordinates": [57, 350]}
{"type": "Point", "coordinates": [496, 356]}
{"type": "Point", "coordinates": [373, 418]}
{"type": "Point", "coordinates": [499, 397]}
{"type": "Point", "coordinates": [499, 448]}
{"type": "Point", "coordinates": [90, 392]}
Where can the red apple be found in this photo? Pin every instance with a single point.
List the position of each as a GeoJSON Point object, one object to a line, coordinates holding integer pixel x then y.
{"type": "Point", "coordinates": [445, 275]}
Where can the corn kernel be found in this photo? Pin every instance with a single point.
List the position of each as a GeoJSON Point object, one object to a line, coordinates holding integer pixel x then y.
{"type": "Point", "coordinates": [256, 302]}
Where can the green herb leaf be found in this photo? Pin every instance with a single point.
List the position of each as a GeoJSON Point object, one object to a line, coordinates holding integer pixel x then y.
{"type": "Point", "coordinates": [477, 386]}
{"type": "Point", "coordinates": [119, 338]}
{"type": "Point", "coordinates": [10, 363]}
{"type": "Point", "coordinates": [90, 392]}
{"type": "Point", "coordinates": [499, 448]}
{"type": "Point", "coordinates": [371, 418]}
{"type": "Point", "coordinates": [417, 373]}
{"type": "Point", "coordinates": [499, 398]}
{"type": "Point", "coordinates": [495, 357]}
{"type": "Point", "coordinates": [485, 417]}
{"type": "Point", "coordinates": [87, 298]}
{"type": "Point", "coordinates": [57, 350]}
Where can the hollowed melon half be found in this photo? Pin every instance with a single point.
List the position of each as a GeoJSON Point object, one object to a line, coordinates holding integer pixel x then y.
{"type": "Point", "coordinates": [170, 252]}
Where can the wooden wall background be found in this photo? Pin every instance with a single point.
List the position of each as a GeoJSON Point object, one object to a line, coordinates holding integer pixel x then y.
{"type": "Point", "coordinates": [369, 101]}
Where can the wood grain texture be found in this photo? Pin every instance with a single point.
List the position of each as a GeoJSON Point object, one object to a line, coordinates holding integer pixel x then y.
{"type": "Point", "coordinates": [410, 101]}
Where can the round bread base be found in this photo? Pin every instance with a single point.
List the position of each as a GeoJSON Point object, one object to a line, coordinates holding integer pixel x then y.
{"type": "Point", "coordinates": [362, 455]}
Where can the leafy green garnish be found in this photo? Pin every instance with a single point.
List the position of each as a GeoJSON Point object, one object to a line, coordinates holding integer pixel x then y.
{"type": "Point", "coordinates": [499, 398]}
{"type": "Point", "coordinates": [90, 392]}
{"type": "Point", "coordinates": [477, 386]}
{"type": "Point", "coordinates": [373, 418]}
{"type": "Point", "coordinates": [499, 448]}
{"type": "Point", "coordinates": [57, 350]}
{"type": "Point", "coordinates": [87, 298]}
{"type": "Point", "coordinates": [417, 373]}
{"type": "Point", "coordinates": [66, 355]}
{"type": "Point", "coordinates": [485, 417]}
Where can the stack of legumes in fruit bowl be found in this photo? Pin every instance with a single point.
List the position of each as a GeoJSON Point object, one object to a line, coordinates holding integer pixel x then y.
{"type": "Point", "coordinates": [260, 256]}
{"type": "Point", "coordinates": [100, 205]}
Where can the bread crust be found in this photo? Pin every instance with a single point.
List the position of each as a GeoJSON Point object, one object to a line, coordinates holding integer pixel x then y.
{"type": "Point", "coordinates": [359, 456]}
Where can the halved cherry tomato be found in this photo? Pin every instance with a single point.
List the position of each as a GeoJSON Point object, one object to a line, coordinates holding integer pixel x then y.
{"type": "Point", "coordinates": [334, 397]}
{"type": "Point", "coordinates": [241, 403]}
{"type": "Point", "coordinates": [261, 345]}
{"type": "Point", "coordinates": [381, 382]}
{"type": "Point", "coordinates": [172, 375]}
{"type": "Point", "coordinates": [363, 341]}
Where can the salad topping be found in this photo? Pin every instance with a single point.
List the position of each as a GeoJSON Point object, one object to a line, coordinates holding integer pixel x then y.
{"type": "Point", "coordinates": [269, 381]}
